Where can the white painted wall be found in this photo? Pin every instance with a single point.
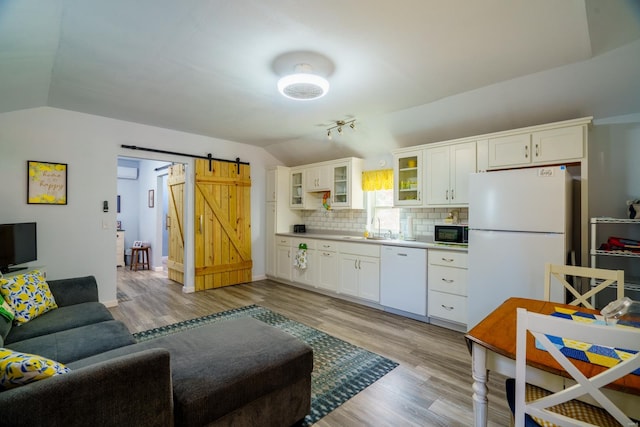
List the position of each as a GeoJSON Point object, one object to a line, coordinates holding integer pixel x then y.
{"type": "Point", "coordinates": [614, 168]}
{"type": "Point", "coordinates": [79, 239]}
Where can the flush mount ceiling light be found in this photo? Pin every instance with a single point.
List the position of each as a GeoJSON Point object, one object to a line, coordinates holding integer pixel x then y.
{"type": "Point", "coordinates": [303, 85]}
{"type": "Point", "coordinates": [339, 125]}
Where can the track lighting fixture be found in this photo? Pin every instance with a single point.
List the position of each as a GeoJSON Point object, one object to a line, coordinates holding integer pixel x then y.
{"type": "Point", "coordinates": [339, 125]}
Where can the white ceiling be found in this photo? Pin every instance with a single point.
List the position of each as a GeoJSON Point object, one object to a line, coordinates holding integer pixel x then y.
{"type": "Point", "coordinates": [410, 71]}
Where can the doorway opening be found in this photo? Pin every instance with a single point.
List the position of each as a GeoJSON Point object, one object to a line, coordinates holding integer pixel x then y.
{"type": "Point", "coordinates": [143, 202]}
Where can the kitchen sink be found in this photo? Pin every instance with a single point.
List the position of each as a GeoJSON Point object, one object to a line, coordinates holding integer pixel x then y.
{"type": "Point", "coordinates": [353, 237]}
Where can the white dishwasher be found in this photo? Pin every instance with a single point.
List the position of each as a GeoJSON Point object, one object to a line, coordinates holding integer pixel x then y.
{"type": "Point", "coordinates": [403, 280]}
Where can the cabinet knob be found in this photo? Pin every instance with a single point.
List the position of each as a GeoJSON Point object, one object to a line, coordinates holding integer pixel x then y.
{"type": "Point", "coordinates": [446, 307]}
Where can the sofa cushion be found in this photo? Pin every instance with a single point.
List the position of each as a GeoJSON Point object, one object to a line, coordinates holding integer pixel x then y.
{"type": "Point", "coordinates": [219, 368]}
{"type": "Point", "coordinates": [78, 343]}
{"type": "Point", "coordinates": [18, 369]}
{"type": "Point", "coordinates": [74, 291]}
{"type": "Point", "coordinates": [61, 319]}
{"type": "Point", "coordinates": [28, 294]}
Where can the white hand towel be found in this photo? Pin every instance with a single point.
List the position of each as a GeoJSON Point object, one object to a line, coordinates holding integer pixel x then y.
{"type": "Point", "coordinates": [300, 260]}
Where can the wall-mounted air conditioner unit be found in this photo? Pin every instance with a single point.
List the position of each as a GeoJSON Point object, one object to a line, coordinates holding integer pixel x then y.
{"type": "Point", "coordinates": [127, 173]}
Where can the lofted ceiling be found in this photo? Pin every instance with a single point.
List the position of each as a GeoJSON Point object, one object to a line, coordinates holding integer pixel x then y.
{"type": "Point", "coordinates": [410, 71]}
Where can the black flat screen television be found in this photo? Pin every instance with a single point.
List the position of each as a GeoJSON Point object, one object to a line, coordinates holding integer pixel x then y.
{"type": "Point", "coordinates": [18, 245]}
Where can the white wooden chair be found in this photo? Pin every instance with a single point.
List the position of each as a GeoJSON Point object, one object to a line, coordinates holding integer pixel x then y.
{"type": "Point", "coordinates": [611, 336]}
{"type": "Point", "coordinates": [559, 272]}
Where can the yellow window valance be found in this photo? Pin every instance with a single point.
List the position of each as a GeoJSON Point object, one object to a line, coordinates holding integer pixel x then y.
{"type": "Point", "coordinates": [377, 180]}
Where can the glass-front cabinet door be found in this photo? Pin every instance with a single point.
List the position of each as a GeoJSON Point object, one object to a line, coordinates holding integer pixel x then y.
{"type": "Point", "coordinates": [296, 190]}
{"type": "Point", "coordinates": [407, 178]}
{"type": "Point", "coordinates": [341, 186]}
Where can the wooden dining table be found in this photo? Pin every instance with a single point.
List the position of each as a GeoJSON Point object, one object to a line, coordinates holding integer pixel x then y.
{"type": "Point", "coordinates": [492, 344]}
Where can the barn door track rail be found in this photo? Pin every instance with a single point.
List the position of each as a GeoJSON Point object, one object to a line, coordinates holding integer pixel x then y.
{"type": "Point", "coordinates": [195, 156]}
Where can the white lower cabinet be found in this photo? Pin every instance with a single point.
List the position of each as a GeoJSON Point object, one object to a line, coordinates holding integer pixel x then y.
{"type": "Point", "coordinates": [359, 271]}
{"type": "Point", "coordinates": [447, 274]}
{"type": "Point", "coordinates": [327, 262]}
{"type": "Point", "coordinates": [284, 262]}
{"type": "Point", "coordinates": [306, 275]}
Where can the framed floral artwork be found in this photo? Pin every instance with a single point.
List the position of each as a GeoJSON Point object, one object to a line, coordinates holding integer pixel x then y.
{"type": "Point", "coordinates": [46, 183]}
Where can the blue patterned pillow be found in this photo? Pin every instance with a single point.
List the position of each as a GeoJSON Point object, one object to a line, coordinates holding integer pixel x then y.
{"type": "Point", "coordinates": [18, 369]}
{"type": "Point", "coordinates": [28, 294]}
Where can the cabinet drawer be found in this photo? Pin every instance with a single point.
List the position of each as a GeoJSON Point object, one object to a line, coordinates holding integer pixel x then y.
{"type": "Point", "coordinates": [295, 243]}
{"type": "Point", "coordinates": [448, 307]}
{"type": "Point", "coordinates": [363, 249]}
{"type": "Point", "coordinates": [326, 245]}
{"type": "Point", "coordinates": [448, 258]}
{"type": "Point", "coordinates": [448, 279]}
{"type": "Point", "coordinates": [283, 241]}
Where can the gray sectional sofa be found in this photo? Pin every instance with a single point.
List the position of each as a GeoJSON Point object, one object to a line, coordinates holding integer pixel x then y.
{"type": "Point", "coordinates": [240, 372]}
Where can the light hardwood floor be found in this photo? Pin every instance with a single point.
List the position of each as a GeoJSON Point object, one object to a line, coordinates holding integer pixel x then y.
{"type": "Point", "coordinates": [431, 387]}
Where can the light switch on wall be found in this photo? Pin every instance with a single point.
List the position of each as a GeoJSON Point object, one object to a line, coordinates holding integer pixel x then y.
{"type": "Point", "coordinates": [105, 224]}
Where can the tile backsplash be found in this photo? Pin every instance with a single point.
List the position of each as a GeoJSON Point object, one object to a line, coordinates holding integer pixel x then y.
{"type": "Point", "coordinates": [355, 220]}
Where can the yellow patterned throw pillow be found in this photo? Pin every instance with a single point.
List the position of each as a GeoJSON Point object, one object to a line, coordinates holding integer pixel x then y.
{"type": "Point", "coordinates": [18, 369]}
{"type": "Point", "coordinates": [28, 294]}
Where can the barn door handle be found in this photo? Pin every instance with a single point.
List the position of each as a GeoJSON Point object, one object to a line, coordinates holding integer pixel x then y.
{"type": "Point", "coordinates": [167, 222]}
{"type": "Point", "coordinates": [200, 224]}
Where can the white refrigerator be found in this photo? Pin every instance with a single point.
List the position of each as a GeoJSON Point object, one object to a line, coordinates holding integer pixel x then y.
{"type": "Point", "coordinates": [518, 221]}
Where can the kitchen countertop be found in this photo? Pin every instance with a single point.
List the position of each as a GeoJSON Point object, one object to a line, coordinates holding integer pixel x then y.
{"type": "Point", "coordinates": [351, 238]}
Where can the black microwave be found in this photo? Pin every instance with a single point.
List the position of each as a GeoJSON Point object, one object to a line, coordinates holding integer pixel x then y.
{"type": "Point", "coordinates": [451, 233]}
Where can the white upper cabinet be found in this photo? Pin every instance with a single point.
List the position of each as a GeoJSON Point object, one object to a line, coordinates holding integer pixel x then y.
{"type": "Point", "coordinates": [539, 147]}
{"type": "Point", "coordinates": [318, 178]}
{"type": "Point", "coordinates": [407, 178]}
{"type": "Point", "coordinates": [346, 192]}
{"type": "Point", "coordinates": [437, 175]}
{"type": "Point", "coordinates": [511, 150]}
{"type": "Point", "coordinates": [447, 170]}
{"type": "Point", "coordinates": [558, 144]}
{"type": "Point", "coordinates": [463, 163]}
{"type": "Point", "coordinates": [296, 189]}
{"type": "Point", "coordinates": [482, 155]}
{"type": "Point", "coordinates": [342, 178]}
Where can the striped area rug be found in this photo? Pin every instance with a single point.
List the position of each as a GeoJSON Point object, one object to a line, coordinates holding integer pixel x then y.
{"type": "Point", "coordinates": [340, 369]}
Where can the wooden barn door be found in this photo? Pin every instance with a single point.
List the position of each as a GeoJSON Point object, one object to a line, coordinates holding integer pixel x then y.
{"type": "Point", "coordinates": [222, 224]}
{"type": "Point", "coordinates": [175, 223]}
